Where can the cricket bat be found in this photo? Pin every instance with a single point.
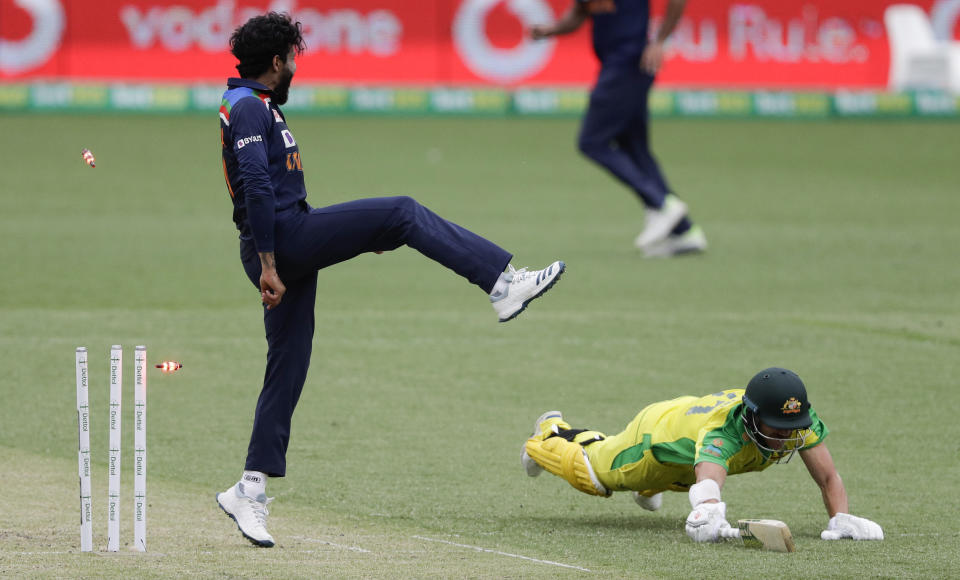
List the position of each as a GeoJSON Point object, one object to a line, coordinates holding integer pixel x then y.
{"type": "Point", "coordinates": [771, 535]}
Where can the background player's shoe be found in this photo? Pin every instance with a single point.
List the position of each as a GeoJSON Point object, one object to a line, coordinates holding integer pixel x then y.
{"type": "Point", "coordinates": [249, 514]}
{"type": "Point", "coordinates": [543, 424]}
{"type": "Point", "coordinates": [651, 504]}
{"type": "Point", "coordinates": [659, 222]}
{"type": "Point", "coordinates": [692, 241]}
{"type": "Point", "coordinates": [524, 286]}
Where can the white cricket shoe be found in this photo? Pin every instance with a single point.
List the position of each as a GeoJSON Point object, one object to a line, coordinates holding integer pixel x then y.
{"type": "Point", "coordinates": [692, 241]}
{"type": "Point", "coordinates": [659, 222]}
{"type": "Point", "coordinates": [651, 504]}
{"type": "Point", "coordinates": [532, 467]}
{"type": "Point", "coordinates": [524, 286]}
{"type": "Point", "coordinates": [249, 514]}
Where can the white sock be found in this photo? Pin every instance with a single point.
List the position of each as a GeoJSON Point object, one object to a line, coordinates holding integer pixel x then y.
{"type": "Point", "coordinates": [253, 484]}
{"type": "Point", "coordinates": [503, 282]}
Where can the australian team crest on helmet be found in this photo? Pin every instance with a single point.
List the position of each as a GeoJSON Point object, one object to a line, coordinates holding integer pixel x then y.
{"type": "Point", "coordinates": [791, 406]}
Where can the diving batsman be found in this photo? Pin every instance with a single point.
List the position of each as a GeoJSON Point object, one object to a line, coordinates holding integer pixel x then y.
{"type": "Point", "coordinates": [690, 444]}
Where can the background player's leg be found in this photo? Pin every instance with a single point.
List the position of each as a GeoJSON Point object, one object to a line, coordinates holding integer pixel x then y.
{"type": "Point", "coordinates": [635, 141]}
{"type": "Point", "coordinates": [608, 117]}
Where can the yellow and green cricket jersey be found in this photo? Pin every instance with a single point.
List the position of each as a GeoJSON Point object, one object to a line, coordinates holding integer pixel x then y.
{"type": "Point", "coordinates": [660, 447]}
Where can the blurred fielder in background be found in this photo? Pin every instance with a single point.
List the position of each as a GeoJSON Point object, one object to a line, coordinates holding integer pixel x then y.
{"type": "Point", "coordinates": [284, 242]}
{"type": "Point", "coordinates": [691, 444]}
{"type": "Point", "coordinates": [615, 128]}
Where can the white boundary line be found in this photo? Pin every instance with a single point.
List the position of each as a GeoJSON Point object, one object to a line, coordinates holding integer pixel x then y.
{"type": "Point", "coordinates": [499, 553]}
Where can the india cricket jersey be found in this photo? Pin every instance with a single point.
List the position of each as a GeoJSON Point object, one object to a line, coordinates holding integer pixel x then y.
{"type": "Point", "coordinates": [619, 30]}
{"type": "Point", "coordinates": [261, 160]}
{"type": "Point", "coordinates": [660, 447]}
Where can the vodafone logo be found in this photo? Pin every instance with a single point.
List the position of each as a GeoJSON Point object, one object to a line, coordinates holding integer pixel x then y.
{"type": "Point", "coordinates": [208, 26]}
{"type": "Point", "coordinates": [38, 46]}
{"type": "Point", "coordinates": [503, 65]}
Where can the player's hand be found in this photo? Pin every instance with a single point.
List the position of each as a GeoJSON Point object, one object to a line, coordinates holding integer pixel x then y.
{"type": "Point", "coordinates": [539, 32]}
{"type": "Point", "coordinates": [848, 526]}
{"type": "Point", "coordinates": [652, 58]}
{"type": "Point", "coordinates": [271, 288]}
{"type": "Point", "coordinates": [705, 522]}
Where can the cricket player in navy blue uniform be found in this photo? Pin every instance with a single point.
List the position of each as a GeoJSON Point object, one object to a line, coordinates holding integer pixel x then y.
{"type": "Point", "coordinates": [284, 242]}
{"type": "Point", "coordinates": [615, 129]}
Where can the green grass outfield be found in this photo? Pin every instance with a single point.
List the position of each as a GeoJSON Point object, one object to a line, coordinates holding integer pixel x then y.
{"type": "Point", "coordinates": [833, 252]}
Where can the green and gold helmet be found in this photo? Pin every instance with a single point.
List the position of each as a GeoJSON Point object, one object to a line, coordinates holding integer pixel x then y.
{"type": "Point", "coordinates": [777, 398]}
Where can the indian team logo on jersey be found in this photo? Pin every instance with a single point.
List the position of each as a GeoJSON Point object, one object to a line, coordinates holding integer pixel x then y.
{"type": "Point", "coordinates": [791, 406]}
{"type": "Point", "coordinates": [288, 138]}
{"type": "Point", "coordinates": [276, 116]}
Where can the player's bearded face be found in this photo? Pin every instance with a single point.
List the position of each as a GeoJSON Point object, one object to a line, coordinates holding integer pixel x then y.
{"type": "Point", "coordinates": [282, 90]}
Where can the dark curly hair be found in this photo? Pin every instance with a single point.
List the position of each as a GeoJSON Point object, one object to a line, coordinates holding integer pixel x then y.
{"type": "Point", "coordinates": [263, 37]}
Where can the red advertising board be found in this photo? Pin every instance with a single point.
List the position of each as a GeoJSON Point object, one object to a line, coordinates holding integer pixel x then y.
{"type": "Point", "coordinates": [719, 43]}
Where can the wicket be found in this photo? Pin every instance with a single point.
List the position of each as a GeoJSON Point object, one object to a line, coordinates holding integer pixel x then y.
{"type": "Point", "coordinates": [83, 451]}
{"type": "Point", "coordinates": [139, 445]}
{"type": "Point", "coordinates": [113, 493]}
{"type": "Point", "coordinates": [140, 449]}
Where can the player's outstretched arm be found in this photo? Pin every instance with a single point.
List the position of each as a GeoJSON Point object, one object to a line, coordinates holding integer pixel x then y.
{"type": "Point", "coordinates": [709, 515]}
{"type": "Point", "coordinates": [819, 463]}
{"type": "Point", "coordinates": [570, 22]}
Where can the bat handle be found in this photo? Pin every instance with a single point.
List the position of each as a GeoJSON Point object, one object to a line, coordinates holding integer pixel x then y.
{"type": "Point", "coordinates": [729, 532]}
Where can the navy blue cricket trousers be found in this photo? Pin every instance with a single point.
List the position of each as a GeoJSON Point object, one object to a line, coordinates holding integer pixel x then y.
{"type": "Point", "coordinates": [615, 132]}
{"type": "Point", "coordinates": [307, 240]}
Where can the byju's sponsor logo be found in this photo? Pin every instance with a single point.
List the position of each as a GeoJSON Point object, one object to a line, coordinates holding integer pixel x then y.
{"type": "Point", "coordinates": [241, 143]}
{"type": "Point", "coordinates": [40, 43]}
{"type": "Point", "coordinates": [288, 138]}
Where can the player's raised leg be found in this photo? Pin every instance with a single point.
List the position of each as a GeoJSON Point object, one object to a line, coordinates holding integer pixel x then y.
{"type": "Point", "coordinates": [340, 232]}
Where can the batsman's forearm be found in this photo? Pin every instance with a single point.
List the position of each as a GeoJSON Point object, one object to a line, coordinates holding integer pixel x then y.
{"type": "Point", "coordinates": [834, 496]}
{"type": "Point", "coordinates": [671, 18]}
